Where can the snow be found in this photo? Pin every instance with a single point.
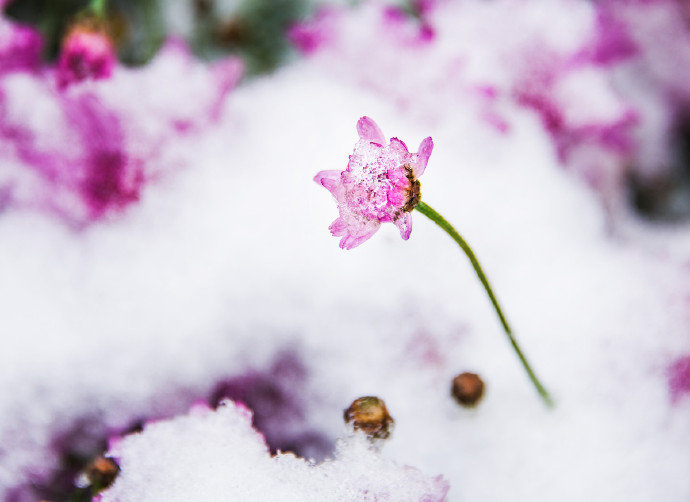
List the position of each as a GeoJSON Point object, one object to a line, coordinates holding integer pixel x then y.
{"type": "Point", "coordinates": [220, 452]}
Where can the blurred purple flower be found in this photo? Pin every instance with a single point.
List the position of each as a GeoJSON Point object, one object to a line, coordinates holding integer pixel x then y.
{"type": "Point", "coordinates": [379, 185]}
{"type": "Point", "coordinates": [87, 153]}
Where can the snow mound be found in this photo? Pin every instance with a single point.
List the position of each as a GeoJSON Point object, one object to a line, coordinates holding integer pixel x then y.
{"type": "Point", "coordinates": [216, 455]}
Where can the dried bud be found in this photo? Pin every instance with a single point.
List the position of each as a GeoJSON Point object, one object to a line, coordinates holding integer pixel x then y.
{"type": "Point", "coordinates": [101, 472]}
{"type": "Point", "coordinates": [467, 389]}
{"type": "Point", "coordinates": [369, 414]}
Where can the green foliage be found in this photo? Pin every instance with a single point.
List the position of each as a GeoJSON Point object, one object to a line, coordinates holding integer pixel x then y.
{"type": "Point", "coordinates": [255, 29]}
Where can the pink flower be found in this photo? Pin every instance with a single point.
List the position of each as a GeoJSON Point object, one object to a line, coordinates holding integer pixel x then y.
{"type": "Point", "coordinates": [310, 36]}
{"type": "Point", "coordinates": [87, 53]}
{"type": "Point", "coordinates": [95, 149]}
{"type": "Point", "coordinates": [20, 47]}
{"type": "Point", "coordinates": [379, 185]}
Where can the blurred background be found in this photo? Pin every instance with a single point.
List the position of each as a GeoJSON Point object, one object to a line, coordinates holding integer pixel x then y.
{"type": "Point", "coordinates": [163, 247]}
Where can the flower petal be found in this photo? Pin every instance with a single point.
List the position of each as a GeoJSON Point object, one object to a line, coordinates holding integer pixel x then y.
{"type": "Point", "coordinates": [331, 181]}
{"type": "Point", "coordinates": [404, 224]}
{"type": "Point", "coordinates": [352, 241]}
{"type": "Point", "coordinates": [399, 146]}
{"type": "Point", "coordinates": [338, 228]}
{"type": "Point", "coordinates": [331, 174]}
{"type": "Point", "coordinates": [423, 154]}
{"type": "Point", "coordinates": [369, 131]}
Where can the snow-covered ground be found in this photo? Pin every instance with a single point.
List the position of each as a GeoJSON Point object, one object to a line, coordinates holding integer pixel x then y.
{"type": "Point", "coordinates": [222, 280]}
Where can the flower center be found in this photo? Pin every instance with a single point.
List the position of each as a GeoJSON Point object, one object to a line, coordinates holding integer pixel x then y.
{"type": "Point", "coordinates": [414, 192]}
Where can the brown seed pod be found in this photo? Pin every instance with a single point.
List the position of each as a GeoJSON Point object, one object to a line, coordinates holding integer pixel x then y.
{"type": "Point", "coordinates": [467, 389]}
{"type": "Point", "coordinates": [370, 415]}
{"type": "Point", "coordinates": [101, 472]}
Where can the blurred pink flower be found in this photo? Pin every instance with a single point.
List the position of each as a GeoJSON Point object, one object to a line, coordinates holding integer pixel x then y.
{"type": "Point", "coordinates": [87, 53]}
{"type": "Point", "coordinates": [20, 47]}
{"type": "Point", "coordinates": [679, 378]}
{"type": "Point", "coordinates": [89, 153]}
{"type": "Point", "coordinates": [429, 65]}
{"type": "Point", "coordinates": [310, 36]}
{"type": "Point", "coordinates": [379, 185]}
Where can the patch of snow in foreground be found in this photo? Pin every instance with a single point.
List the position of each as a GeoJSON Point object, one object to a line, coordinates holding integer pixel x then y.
{"type": "Point", "coordinates": [220, 452]}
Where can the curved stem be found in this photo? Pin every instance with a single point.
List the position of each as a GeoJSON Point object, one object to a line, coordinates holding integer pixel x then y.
{"type": "Point", "coordinates": [430, 213]}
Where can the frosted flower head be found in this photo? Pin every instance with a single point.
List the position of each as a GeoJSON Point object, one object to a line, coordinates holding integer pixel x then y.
{"type": "Point", "coordinates": [379, 185]}
{"type": "Point", "coordinates": [87, 53]}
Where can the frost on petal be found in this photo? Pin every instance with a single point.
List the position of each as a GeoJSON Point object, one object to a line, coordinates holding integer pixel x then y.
{"type": "Point", "coordinates": [423, 154]}
{"type": "Point", "coordinates": [368, 130]}
{"type": "Point", "coordinates": [399, 146]}
{"type": "Point", "coordinates": [404, 224]}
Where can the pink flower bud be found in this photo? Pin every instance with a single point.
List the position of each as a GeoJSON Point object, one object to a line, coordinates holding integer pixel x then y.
{"type": "Point", "coordinates": [87, 53]}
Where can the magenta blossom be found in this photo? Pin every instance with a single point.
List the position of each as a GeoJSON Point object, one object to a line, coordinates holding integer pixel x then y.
{"type": "Point", "coordinates": [379, 185]}
{"type": "Point", "coordinates": [87, 53]}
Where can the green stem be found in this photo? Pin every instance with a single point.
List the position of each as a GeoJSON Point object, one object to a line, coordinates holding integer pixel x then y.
{"type": "Point", "coordinates": [430, 213]}
{"type": "Point", "coordinates": [98, 7]}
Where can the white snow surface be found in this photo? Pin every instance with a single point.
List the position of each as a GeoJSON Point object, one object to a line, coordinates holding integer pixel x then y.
{"type": "Point", "coordinates": [222, 453]}
{"type": "Point", "coordinates": [228, 263]}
